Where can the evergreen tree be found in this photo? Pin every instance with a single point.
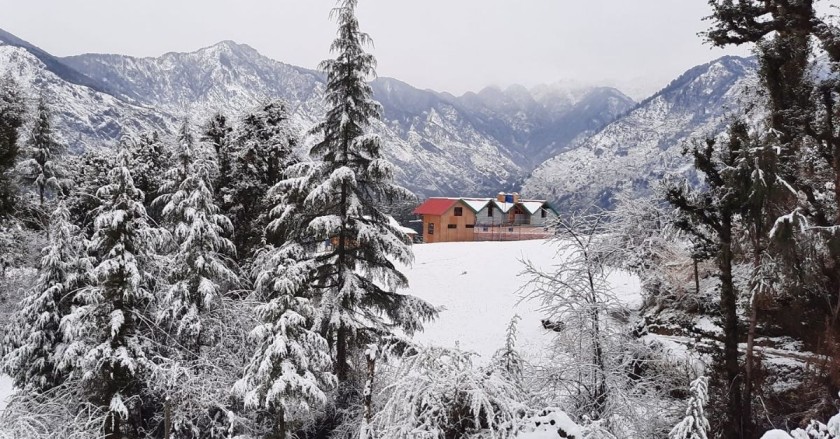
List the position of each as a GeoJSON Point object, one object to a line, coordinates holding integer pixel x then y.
{"type": "Point", "coordinates": [694, 425]}
{"type": "Point", "coordinates": [219, 135]}
{"type": "Point", "coordinates": [108, 349]}
{"type": "Point", "coordinates": [355, 280]}
{"type": "Point", "coordinates": [264, 145]}
{"type": "Point", "coordinates": [88, 173]}
{"type": "Point", "coordinates": [200, 269]}
{"type": "Point", "coordinates": [709, 215]}
{"type": "Point", "coordinates": [12, 112]}
{"type": "Point", "coordinates": [43, 167]}
{"type": "Point", "coordinates": [149, 161]}
{"type": "Point", "coordinates": [290, 371]}
{"type": "Point", "coordinates": [32, 360]}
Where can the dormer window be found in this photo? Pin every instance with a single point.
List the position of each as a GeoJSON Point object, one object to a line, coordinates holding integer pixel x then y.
{"type": "Point", "coordinates": [459, 211]}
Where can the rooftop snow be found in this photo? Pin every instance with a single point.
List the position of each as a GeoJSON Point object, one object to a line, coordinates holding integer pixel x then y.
{"type": "Point", "coordinates": [476, 204]}
{"type": "Point", "coordinates": [532, 206]}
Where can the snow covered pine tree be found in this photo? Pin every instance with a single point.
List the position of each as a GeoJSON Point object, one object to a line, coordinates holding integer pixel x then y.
{"type": "Point", "coordinates": [199, 268]}
{"type": "Point", "coordinates": [41, 168]}
{"type": "Point", "coordinates": [355, 280]}
{"type": "Point", "coordinates": [107, 348]}
{"type": "Point", "coordinates": [36, 343]}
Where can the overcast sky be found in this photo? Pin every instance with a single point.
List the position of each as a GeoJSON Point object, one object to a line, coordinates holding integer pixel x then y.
{"type": "Point", "coordinates": [445, 45]}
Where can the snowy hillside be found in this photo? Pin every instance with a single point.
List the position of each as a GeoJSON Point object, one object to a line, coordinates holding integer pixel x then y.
{"type": "Point", "coordinates": [633, 153]}
{"type": "Point", "coordinates": [84, 117]}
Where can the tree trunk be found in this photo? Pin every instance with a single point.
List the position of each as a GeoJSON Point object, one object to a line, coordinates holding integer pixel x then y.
{"type": "Point", "coordinates": [696, 277]}
{"type": "Point", "coordinates": [729, 314]}
{"type": "Point", "coordinates": [280, 425]}
{"type": "Point", "coordinates": [748, 368]}
{"type": "Point", "coordinates": [112, 426]}
{"type": "Point", "coordinates": [371, 354]}
{"type": "Point", "coordinates": [167, 418]}
{"type": "Point", "coordinates": [341, 354]}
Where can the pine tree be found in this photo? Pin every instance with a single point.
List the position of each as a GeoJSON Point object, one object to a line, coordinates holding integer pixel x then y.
{"type": "Point", "coordinates": [88, 173]}
{"type": "Point", "coordinates": [219, 135]}
{"type": "Point", "coordinates": [43, 167]}
{"type": "Point", "coordinates": [12, 112]}
{"type": "Point", "coordinates": [200, 267]}
{"type": "Point", "coordinates": [264, 146]}
{"type": "Point", "coordinates": [355, 281]}
{"type": "Point", "coordinates": [37, 343]}
{"type": "Point", "coordinates": [108, 349]}
{"type": "Point", "coordinates": [694, 425]}
{"type": "Point", "coordinates": [148, 163]}
{"type": "Point", "coordinates": [290, 371]}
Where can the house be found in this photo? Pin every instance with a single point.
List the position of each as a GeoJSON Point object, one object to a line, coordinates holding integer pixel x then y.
{"type": "Point", "coordinates": [504, 218]}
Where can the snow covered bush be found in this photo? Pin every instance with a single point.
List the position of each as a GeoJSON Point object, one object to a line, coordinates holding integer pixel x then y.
{"type": "Point", "coordinates": [815, 430]}
{"type": "Point", "coordinates": [599, 371]}
{"type": "Point", "coordinates": [550, 423]}
{"type": "Point", "coordinates": [438, 393]}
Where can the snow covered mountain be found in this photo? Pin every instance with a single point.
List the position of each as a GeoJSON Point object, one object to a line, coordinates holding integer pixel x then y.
{"type": "Point", "coordinates": [85, 117]}
{"type": "Point", "coordinates": [475, 144]}
{"type": "Point", "coordinates": [633, 153]}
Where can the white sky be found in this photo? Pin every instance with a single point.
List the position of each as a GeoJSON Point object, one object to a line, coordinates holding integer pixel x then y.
{"type": "Point", "coordinates": [445, 45]}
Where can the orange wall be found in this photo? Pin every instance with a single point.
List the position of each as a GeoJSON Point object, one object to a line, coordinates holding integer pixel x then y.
{"type": "Point", "coordinates": [444, 233]}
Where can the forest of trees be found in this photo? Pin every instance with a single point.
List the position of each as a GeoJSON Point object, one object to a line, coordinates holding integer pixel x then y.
{"type": "Point", "coordinates": [229, 282]}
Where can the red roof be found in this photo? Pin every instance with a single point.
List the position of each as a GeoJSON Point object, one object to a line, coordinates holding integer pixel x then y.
{"type": "Point", "coordinates": [435, 206]}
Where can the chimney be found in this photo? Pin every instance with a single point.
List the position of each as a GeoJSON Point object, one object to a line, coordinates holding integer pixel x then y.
{"type": "Point", "coordinates": [501, 197]}
{"type": "Point", "coordinates": [515, 197]}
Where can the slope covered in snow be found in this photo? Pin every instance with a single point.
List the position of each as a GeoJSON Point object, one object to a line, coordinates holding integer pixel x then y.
{"type": "Point", "coordinates": [633, 153]}
{"type": "Point", "coordinates": [84, 117]}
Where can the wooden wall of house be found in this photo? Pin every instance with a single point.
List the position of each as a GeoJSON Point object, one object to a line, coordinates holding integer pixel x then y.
{"type": "Point", "coordinates": [442, 230]}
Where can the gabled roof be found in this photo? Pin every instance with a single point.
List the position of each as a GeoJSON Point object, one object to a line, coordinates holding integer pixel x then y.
{"type": "Point", "coordinates": [532, 206]}
{"type": "Point", "coordinates": [503, 207]}
{"type": "Point", "coordinates": [476, 204]}
{"type": "Point", "coordinates": [435, 206]}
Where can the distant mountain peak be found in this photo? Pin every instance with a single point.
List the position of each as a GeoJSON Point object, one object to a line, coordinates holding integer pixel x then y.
{"type": "Point", "coordinates": [632, 154]}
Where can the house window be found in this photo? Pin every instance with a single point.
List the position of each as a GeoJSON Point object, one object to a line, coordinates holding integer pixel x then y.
{"type": "Point", "coordinates": [431, 228]}
{"type": "Point", "coordinates": [459, 211]}
{"type": "Point", "coordinates": [543, 213]}
{"type": "Point", "coordinates": [452, 226]}
{"type": "Point", "coordinates": [490, 210]}
{"type": "Point", "coordinates": [470, 226]}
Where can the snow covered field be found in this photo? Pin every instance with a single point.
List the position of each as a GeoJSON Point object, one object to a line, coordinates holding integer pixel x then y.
{"type": "Point", "coordinates": [478, 283]}
{"type": "Point", "coordinates": [5, 390]}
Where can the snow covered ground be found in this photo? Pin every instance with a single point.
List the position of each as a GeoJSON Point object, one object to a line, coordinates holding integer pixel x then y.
{"type": "Point", "coordinates": [5, 390]}
{"type": "Point", "coordinates": [478, 283]}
